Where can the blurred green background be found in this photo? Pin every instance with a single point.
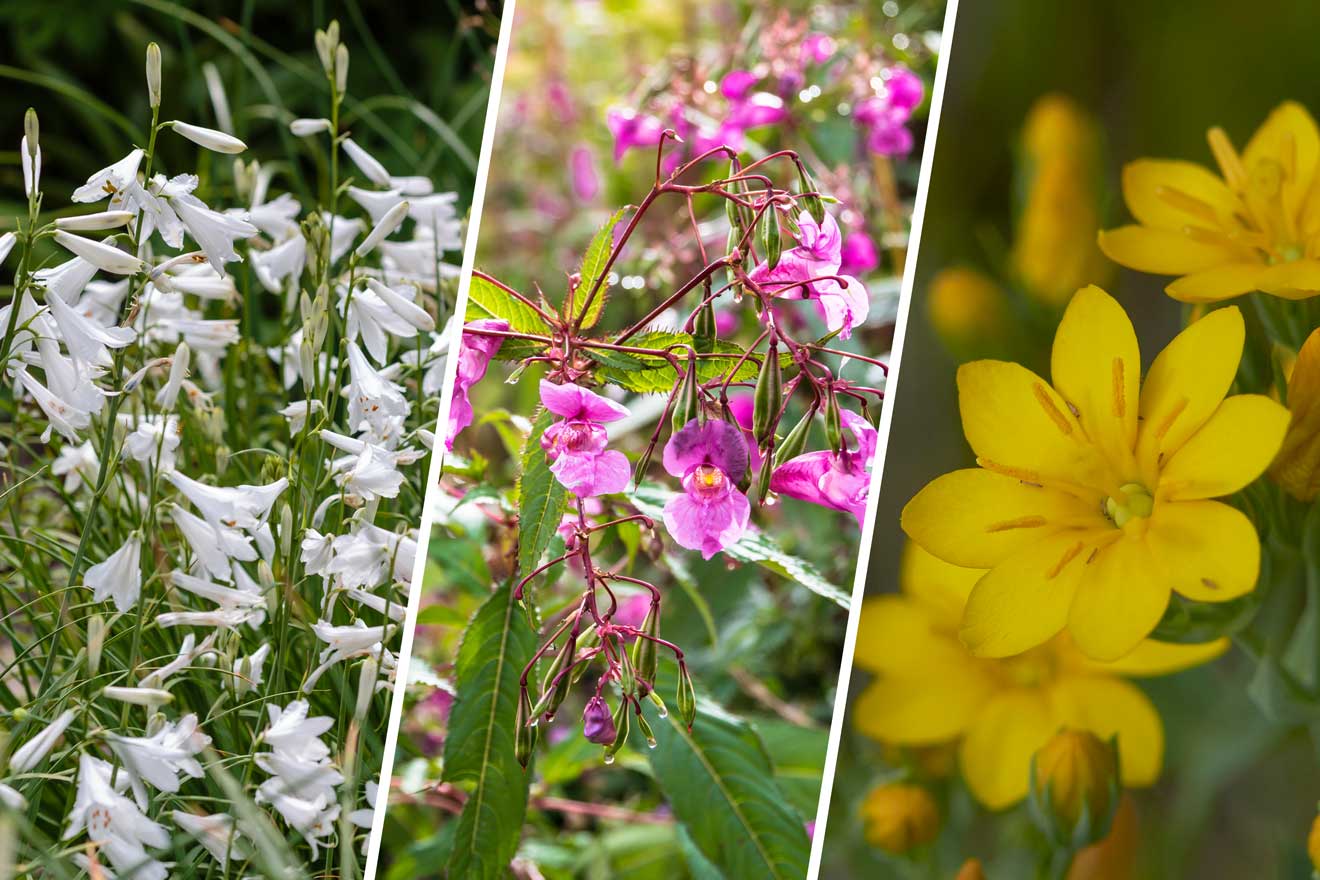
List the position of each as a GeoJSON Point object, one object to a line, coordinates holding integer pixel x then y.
{"type": "Point", "coordinates": [1237, 796]}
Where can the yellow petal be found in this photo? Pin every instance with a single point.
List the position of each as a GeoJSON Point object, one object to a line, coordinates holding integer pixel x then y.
{"type": "Point", "coordinates": [934, 708]}
{"type": "Point", "coordinates": [1219, 283]}
{"type": "Point", "coordinates": [1299, 279]}
{"type": "Point", "coordinates": [1151, 658]}
{"type": "Point", "coordinates": [1208, 550]}
{"type": "Point", "coordinates": [1231, 449]}
{"type": "Point", "coordinates": [1162, 251]}
{"type": "Point", "coordinates": [1112, 707]}
{"type": "Point", "coordinates": [1096, 367]}
{"type": "Point", "coordinates": [1288, 137]}
{"type": "Point", "coordinates": [1017, 423]}
{"type": "Point", "coordinates": [1297, 466]}
{"type": "Point", "coordinates": [1119, 599]}
{"type": "Point", "coordinates": [976, 518]}
{"type": "Point", "coordinates": [996, 752]}
{"type": "Point", "coordinates": [896, 635]}
{"type": "Point", "coordinates": [938, 586]}
{"type": "Point", "coordinates": [1171, 194]}
{"type": "Point", "coordinates": [1024, 600]}
{"type": "Point", "coordinates": [1186, 384]}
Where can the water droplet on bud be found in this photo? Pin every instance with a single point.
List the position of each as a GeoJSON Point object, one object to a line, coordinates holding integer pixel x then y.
{"type": "Point", "coordinates": [650, 742]}
{"type": "Point", "coordinates": [534, 722]}
{"type": "Point", "coordinates": [664, 712]}
{"type": "Point", "coordinates": [609, 759]}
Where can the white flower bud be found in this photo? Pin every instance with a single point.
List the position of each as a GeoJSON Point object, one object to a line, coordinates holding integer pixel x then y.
{"type": "Point", "coordinates": [390, 222]}
{"type": "Point", "coordinates": [138, 696]}
{"type": "Point", "coordinates": [368, 672]}
{"type": "Point", "coordinates": [6, 244]}
{"type": "Point", "coordinates": [31, 132]}
{"type": "Point", "coordinates": [153, 75]}
{"type": "Point", "coordinates": [367, 163]}
{"type": "Point", "coordinates": [309, 127]}
{"type": "Point", "coordinates": [93, 222]}
{"type": "Point", "coordinates": [209, 138]}
{"type": "Point", "coordinates": [95, 643]}
{"type": "Point", "coordinates": [101, 255]}
{"type": "Point", "coordinates": [341, 68]}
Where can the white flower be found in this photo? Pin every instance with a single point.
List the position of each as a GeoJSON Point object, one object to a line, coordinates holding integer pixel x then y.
{"type": "Point", "coordinates": [296, 413]}
{"type": "Point", "coordinates": [213, 231]}
{"type": "Point", "coordinates": [169, 392]}
{"type": "Point", "coordinates": [76, 464]}
{"type": "Point", "coordinates": [101, 255]}
{"type": "Point", "coordinates": [87, 340]}
{"type": "Point", "coordinates": [100, 300]}
{"type": "Point", "coordinates": [343, 232]}
{"type": "Point", "coordinates": [120, 830]}
{"type": "Point", "coordinates": [396, 611]}
{"type": "Point", "coordinates": [213, 545]}
{"type": "Point", "coordinates": [154, 441]}
{"type": "Point", "coordinates": [386, 225]}
{"type": "Point", "coordinates": [317, 551]}
{"type": "Point", "coordinates": [218, 618]}
{"type": "Point", "coordinates": [244, 507]}
{"type": "Point", "coordinates": [209, 138]}
{"type": "Point", "coordinates": [366, 163]}
{"type": "Point", "coordinates": [189, 653]}
{"type": "Point", "coordinates": [160, 758]}
{"type": "Point", "coordinates": [248, 671]}
{"type": "Point", "coordinates": [415, 185]}
{"type": "Point", "coordinates": [302, 787]}
{"type": "Point", "coordinates": [138, 696]}
{"type": "Point", "coordinates": [66, 280]}
{"type": "Point", "coordinates": [207, 285]}
{"type": "Point", "coordinates": [291, 732]}
{"type": "Point", "coordinates": [373, 475]}
{"type": "Point", "coordinates": [284, 261]}
{"type": "Point", "coordinates": [35, 750]}
{"type": "Point", "coordinates": [344, 643]}
{"type": "Point", "coordinates": [275, 218]}
{"type": "Point", "coordinates": [31, 167]}
{"type": "Point", "coordinates": [246, 597]}
{"type": "Point", "coordinates": [376, 203]}
{"type": "Point", "coordinates": [363, 558]}
{"type": "Point", "coordinates": [119, 577]}
{"type": "Point", "coordinates": [376, 406]}
{"type": "Point", "coordinates": [309, 127]}
{"type": "Point", "coordinates": [63, 417]}
{"type": "Point", "coordinates": [217, 834]}
{"type": "Point", "coordinates": [94, 222]}
{"type": "Point", "coordinates": [378, 312]}
{"type": "Point", "coordinates": [6, 244]}
{"type": "Point", "coordinates": [110, 181]}
{"type": "Point", "coordinates": [11, 798]}
{"type": "Point", "coordinates": [437, 216]}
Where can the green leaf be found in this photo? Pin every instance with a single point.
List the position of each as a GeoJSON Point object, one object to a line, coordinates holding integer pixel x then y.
{"type": "Point", "coordinates": [798, 754]}
{"type": "Point", "coordinates": [593, 268]}
{"type": "Point", "coordinates": [479, 747]}
{"type": "Point", "coordinates": [650, 374]}
{"type": "Point", "coordinates": [754, 546]}
{"type": "Point", "coordinates": [542, 499]}
{"type": "Point", "coordinates": [489, 300]}
{"type": "Point", "coordinates": [720, 783]}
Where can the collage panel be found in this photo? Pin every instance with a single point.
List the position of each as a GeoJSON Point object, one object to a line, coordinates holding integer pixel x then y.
{"type": "Point", "coordinates": [1088, 644]}
{"type": "Point", "coordinates": [658, 450]}
{"type": "Point", "coordinates": [220, 357]}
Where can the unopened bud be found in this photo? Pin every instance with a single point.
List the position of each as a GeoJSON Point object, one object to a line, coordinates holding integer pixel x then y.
{"type": "Point", "coordinates": [525, 733]}
{"type": "Point", "coordinates": [704, 328]}
{"type": "Point", "coordinates": [32, 132]}
{"type": "Point", "coordinates": [898, 817]}
{"type": "Point", "coordinates": [95, 644]}
{"type": "Point", "coordinates": [368, 672]}
{"type": "Point", "coordinates": [796, 441]}
{"type": "Point", "coordinates": [597, 722]}
{"type": "Point", "coordinates": [771, 242]}
{"type": "Point", "coordinates": [1075, 787]}
{"type": "Point", "coordinates": [286, 529]}
{"type": "Point", "coordinates": [153, 75]}
{"type": "Point", "coordinates": [687, 697]}
{"type": "Point", "coordinates": [622, 720]}
{"type": "Point", "coordinates": [341, 68]}
{"type": "Point", "coordinates": [644, 726]}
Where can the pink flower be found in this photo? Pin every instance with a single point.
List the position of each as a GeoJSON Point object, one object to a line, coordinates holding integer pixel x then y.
{"type": "Point", "coordinates": [737, 83]}
{"type": "Point", "coordinates": [885, 116]}
{"type": "Point", "coordinates": [904, 89]}
{"type": "Point", "coordinates": [859, 255]}
{"type": "Point", "coordinates": [841, 306]}
{"type": "Point", "coordinates": [839, 481]}
{"type": "Point", "coordinates": [819, 253]}
{"type": "Point", "coordinates": [474, 355]}
{"type": "Point", "coordinates": [818, 48]}
{"type": "Point", "coordinates": [741, 408]}
{"type": "Point", "coordinates": [710, 459]}
{"type": "Point", "coordinates": [575, 444]}
{"type": "Point", "coordinates": [632, 129]}
{"type": "Point", "coordinates": [582, 172]}
{"type": "Point", "coordinates": [598, 723]}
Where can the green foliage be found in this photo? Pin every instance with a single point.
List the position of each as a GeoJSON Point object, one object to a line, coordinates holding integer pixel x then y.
{"type": "Point", "coordinates": [593, 268]}
{"type": "Point", "coordinates": [542, 499]}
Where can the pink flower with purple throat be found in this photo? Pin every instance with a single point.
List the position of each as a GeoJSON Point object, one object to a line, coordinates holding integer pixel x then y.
{"type": "Point", "coordinates": [839, 480]}
{"type": "Point", "coordinates": [805, 272]}
{"type": "Point", "coordinates": [710, 459]}
{"type": "Point", "coordinates": [575, 445]}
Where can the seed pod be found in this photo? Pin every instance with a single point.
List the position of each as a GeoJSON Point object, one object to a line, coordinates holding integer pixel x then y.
{"type": "Point", "coordinates": [645, 728]}
{"type": "Point", "coordinates": [659, 704]}
{"type": "Point", "coordinates": [833, 424]}
{"type": "Point", "coordinates": [771, 242]}
{"type": "Point", "coordinates": [688, 405]}
{"type": "Point", "coordinates": [768, 396]}
{"type": "Point", "coordinates": [704, 329]}
{"type": "Point", "coordinates": [627, 675]}
{"type": "Point", "coordinates": [763, 483]}
{"type": "Point", "coordinates": [732, 210]}
{"type": "Point", "coordinates": [796, 441]}
{"type": "Point", "coordinates": [815, 207]}
{"type": "Point", "coordinates": [644, 462]}
{"type": "Point", "coordinates": [644, 654]}
{"type": "Point", "coordinates": [621, 720]}
{"type": "Point", "coordinates": [552, 692]}
{"type": "Point", "coordinates": [524, 737]}
{"type": "Point", "coordinates": [687, 698]}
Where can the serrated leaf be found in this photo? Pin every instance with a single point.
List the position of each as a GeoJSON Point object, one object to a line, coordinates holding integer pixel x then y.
{"type": "Point", "coordinates": [593, 267]}
{"type": "Point", "coordinates": [479, 747]}
{"type": "Point", "coordinates": [656, 375]}
{"type": "Point", "coordinates": [720, 783]}
{"type": "Point", "coordinates": [542, 499]}
{"type": "Point", "coordinates": [616, 360]}
{"type": "Point", "coordinates": [754, 546]}
{"type": "Point", "coordinates": [489, 300]}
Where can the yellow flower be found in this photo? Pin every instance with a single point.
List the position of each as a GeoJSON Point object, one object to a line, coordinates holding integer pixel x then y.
{"type": "Point", "coordinates": [930, 689]}
{"type": "Point", "coordinates": [1255, 226]}
{"type": "Point", "coordinates": [1091, 502]}
{"type": "Point", "coordinates": [1075, 773]}
{"type": "Point", "coordinates": [898, 818]}
{"type": "Point", "coordinates": [1297, 467]}
{"type": "Point", "coordinates": [971, 870]}
{"type": "Point", "coordinates": [1054, 248]}
{"type": "Point", "coordinates": [966, 307]}
{"type": "Point", "coordinates": [1115, 857]}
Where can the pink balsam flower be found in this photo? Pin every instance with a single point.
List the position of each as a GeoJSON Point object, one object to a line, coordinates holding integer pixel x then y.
{"type": "Point", "coordinates": [632, 129]}
{"type": "Point", "coordinates": [808, 271]}
{"type": "Point", "coordinates": [575, 445]}
{"type": "Point", "coordinates": [859, 254]}
{"type": "Point", "coordinates": [475, 351]}
{"type": "Point", "coordinates": [841, 481]}
{"type": "Point", "coordinates": [710, 459]}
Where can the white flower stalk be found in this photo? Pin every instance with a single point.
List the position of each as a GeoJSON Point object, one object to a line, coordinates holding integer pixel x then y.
{"type": "Point", "coordinates": [111, 180]}
{"type": "Point", "coordinates": [153, 75]}
{"type": "Point", "coordinates": [94, 222]}
{"type": "Point", "coordinates": [120, 830]}
{"type": "Point", "coordinates": [6, 244]}
{"type": "Point", "coordinates": [154, 441]}
{"type": "Point", "coordinates": [78, 464]}
{"type": "Point", "coordinates": [138, 696]}
{"type": "Point", "coordinates": [85, 339]}
{"type": "Point", "coordinates": [161, 758]}
{"type": "Point", "coordinates": [169, 392]}
{"type": "Point", "coordinates": [29, 755]}
{"type": "Point", "coordinates": [309, 127]}
{"type": "Point", "coordinates": [216, 141]}
{"type": "Point", "coordinates": [387, 224]}
{"type": "Point", "coordinates": [119, 577]}
{"type": "Point", "coordinates": [213, 231]}
{"type": "Point", "coordinates": [371, 169]}
{"type": "Point", "coordinates": [31, 161]}
{"type": "Point", "coordinates": [105, 257]}
{"type": "Point", "coordinates": [217, 833]}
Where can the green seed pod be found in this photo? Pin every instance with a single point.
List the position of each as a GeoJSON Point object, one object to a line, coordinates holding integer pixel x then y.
{"type": "Point", "coordinates": [687, 698]}
{"type": "Point", "coordinates": [732, 210]}
{"type": "Point", "coordinates": [645, 728]}
{"type": "Point", "coordinates": [644, 462]}
{"type": "Point", "coordinates": [771, 242]}
{"type": "Point", "coordinates": [796, 441]}
{"type": "Point", "coordinates": [644, 654]}
{"type": "Point", "coordinates": [763, 483]}
{"type": "Point", "coordinates": [833, 424]}
{"type": "Point", "coordinates": [621, 719]}
{"type": "Point", "coordinates": [768, 396]}
{"type": "Point", "coordinates": [659, 704]}
{"type": "Point", "coordinates": [688, 405]}
{"type": "Point", "coordinates": [627, 675]}
{"type": "Point", "coordinates": [704, 331]}
{"type": "Point", "coordinates": [552, 692]}
{"type": "Point", "coordinates": [815, 207]}
{"type": "Point", "coordinates": [525, 735]}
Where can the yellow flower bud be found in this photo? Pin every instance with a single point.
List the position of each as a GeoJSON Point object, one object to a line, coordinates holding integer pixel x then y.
{"type": "Point", "coordinates": [1075, 773]}
{"type": "Point", "coordinates": [899, 818]}
{"type": "Point", "coordinates": [1297, 466]}
{"type": "Point", "coordinates": [966, 308]}
{"type": "Point", "coordinates": [1115, 857]}
{"type": "Point", "coordinates": [1313, 844]}
{"type": "Point", "coordinates": [971, 870]}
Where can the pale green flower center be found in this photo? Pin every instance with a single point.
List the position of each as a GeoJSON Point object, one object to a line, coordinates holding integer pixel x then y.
{"type": "Point", "coordinates": [1132, 501]}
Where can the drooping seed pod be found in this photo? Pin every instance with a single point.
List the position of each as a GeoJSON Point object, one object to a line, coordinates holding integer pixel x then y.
{"type": "Point", "coordinates": [687, 406]}
{"type": "Point", "coordinates": [627, 675]}
{"type": "Point", "coordinates": [645, 657]}
{"type": "Point", "coordinates": [644, 726]}
{"type": "Point", "coordinates": [768, 396]}
{"type": "Point", "coordinates": [833, 424]}
{"type": "Point", "coordinates": [704, 329]}
{"type": "Point", "coordinates": [796, 441]}
{"type": "Point", "coordinates": [771, 242]}
{"type": "Point", "coordinates": [621, 721]}
{"type": "Point", "coordinates": [811, 197]}
{"type": "Point", "coordinates": [525, 734]}
{"type": "Point", "coordinates": [687, 697]}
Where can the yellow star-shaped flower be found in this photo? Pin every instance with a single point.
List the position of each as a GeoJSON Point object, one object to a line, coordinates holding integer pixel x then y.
{"type": "Point", "coordinates": [1092, 499]}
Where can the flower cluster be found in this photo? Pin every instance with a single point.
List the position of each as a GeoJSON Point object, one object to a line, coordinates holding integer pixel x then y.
{"type": "Point", "coordinates": [238, 494]}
